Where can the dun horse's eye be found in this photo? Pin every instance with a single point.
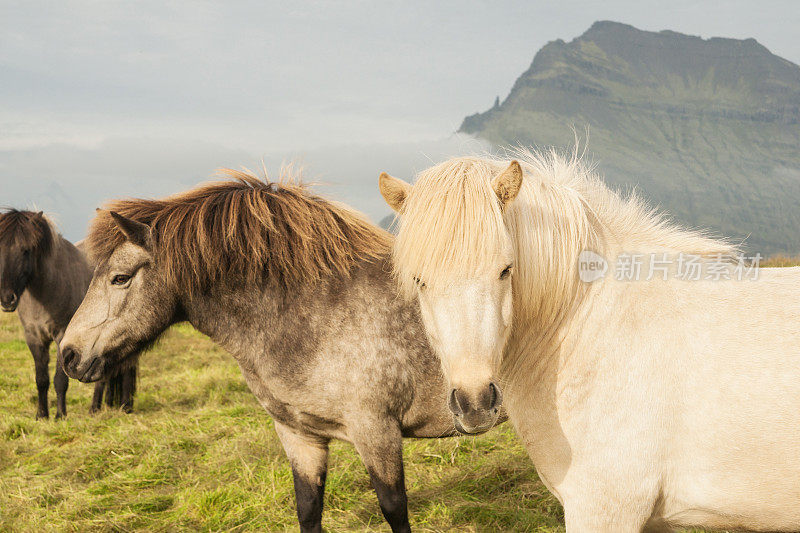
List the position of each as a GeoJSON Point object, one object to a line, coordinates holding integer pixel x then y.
{"type": "Point", "coordinates": [506, 271]}
{"type": "Point", "coordinates": [120, 279]}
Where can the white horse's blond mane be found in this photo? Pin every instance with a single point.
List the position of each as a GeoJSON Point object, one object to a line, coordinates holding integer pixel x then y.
{"type": "Point", "coordinates": [452, 226]}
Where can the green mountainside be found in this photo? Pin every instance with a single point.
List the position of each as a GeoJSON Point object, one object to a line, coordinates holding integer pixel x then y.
{"type": "Point", "coordinates": [709, 130]}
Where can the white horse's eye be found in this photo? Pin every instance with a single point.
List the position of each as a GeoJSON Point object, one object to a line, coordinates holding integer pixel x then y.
{"type": "Point", "coordinates": [505, 273]}
{"type": "Point", "coordinates": [419, 282]}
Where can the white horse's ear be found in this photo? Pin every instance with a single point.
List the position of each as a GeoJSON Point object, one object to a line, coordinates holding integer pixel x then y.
{"type": "Point", "coordinates": [136, 232]}
{"type": "Point", "coordinates": [508, 183]}
{"type": "Point", "coordinates": [394, 191]}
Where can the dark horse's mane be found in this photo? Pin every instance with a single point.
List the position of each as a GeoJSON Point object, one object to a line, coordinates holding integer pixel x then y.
{"type": "Point", "coordinates": [26, 230]}
{"type": "Point", "coordinates": [247, 229]}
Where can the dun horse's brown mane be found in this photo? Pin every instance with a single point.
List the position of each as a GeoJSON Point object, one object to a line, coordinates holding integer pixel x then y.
{"type": "Point", "coordinates": [245, 228]}
{"type": "Point", "coordinates": [26, 230]}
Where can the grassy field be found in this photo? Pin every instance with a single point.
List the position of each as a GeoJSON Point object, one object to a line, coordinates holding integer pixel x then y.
{"type": "Point", "coordinates": [199, 453]}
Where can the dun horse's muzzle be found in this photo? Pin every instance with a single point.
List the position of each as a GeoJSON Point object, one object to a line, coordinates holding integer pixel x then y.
{"type": "Point", "coordinates": [475, 413]}
{"type": "Point", "coordinates": [86, 370]}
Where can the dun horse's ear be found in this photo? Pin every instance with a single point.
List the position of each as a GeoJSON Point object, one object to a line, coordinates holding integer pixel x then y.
{"type": "Point", "coordinates": [508, 183]}
{"type": "Point", "coordinates": [394, 191]}
{"type": "Point", "coordinates": [134, 231]}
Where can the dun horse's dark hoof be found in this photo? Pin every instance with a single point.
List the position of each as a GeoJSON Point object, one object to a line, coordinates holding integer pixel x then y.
{"type": "Point", "coordinates": [42, 416]}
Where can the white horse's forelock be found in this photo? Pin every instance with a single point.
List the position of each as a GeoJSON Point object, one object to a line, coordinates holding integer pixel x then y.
{"type": "Point", "coordinates": [463, 224]}
{"type": "Point", "coordinates": [452, 224]}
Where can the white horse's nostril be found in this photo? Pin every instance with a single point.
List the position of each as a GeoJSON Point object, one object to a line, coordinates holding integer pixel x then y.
{"type": "Point", "coordinates": [496, 396]}
{"type": "Point", "coordinates": [455, 404]}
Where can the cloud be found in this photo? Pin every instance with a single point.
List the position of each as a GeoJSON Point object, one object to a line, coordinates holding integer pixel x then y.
{"type": "Point", "coordinates": [102, 100]}
{"type": "Point", "coordinates": [263, 75]}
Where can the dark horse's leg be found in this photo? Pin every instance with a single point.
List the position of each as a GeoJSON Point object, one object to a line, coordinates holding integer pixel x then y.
{"type": "Point", "coordinates": [121, 387]}
{"type": "Point", "coordinates": [380, 445]}
{"type": "Point", "coordinates": [129, 387]}
{"type": "Point", "coordinates": [309, 459]}
{"type": "Point", "coordinates": [41, 360]}
{"type": "Point", "coordinates": [61, 382]}
{"type": "Point", "coordinates": [97, 397]}
{"type": "Point", "coordinates": [114, 389]}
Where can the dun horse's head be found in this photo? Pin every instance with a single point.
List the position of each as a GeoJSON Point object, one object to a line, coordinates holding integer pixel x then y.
{"type": "Point", "coordinates": [127, 306]}
{"type": "Point", "coordinates": [25, 239]}
{"type": "Point", "coordinates": [454, 253]}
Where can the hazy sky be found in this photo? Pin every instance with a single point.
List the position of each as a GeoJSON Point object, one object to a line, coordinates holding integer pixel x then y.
{"type": "Point", "coordinates": [103, 99]}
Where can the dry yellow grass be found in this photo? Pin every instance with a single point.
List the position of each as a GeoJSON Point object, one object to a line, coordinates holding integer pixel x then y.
{"type": "Point", "coordinates": [780, 261]}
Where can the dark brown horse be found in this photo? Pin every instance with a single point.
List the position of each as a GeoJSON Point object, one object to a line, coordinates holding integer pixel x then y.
{"type": "Point", "coordinates": [44, 277]}
{"type": "Point", "coordinates": [298, 290]}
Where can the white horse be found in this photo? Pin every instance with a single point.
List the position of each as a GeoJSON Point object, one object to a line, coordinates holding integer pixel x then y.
{"type": "Point", "coordinates": [644, 405]}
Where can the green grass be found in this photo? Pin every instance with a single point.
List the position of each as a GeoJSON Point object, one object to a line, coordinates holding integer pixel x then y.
{"type": "Point", "coordinates": [199, 453]}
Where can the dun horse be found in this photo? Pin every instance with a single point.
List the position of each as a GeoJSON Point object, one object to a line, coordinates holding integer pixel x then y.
{"type": "Point", "coordinates": [654, 403]}
{"type": "Point", "coordinates": [298, 290]}
{"type": "Point", "coordinates": [44, 277]}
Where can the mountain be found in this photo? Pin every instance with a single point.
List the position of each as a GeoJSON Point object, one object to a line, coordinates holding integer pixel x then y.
{"type": "Point", "coordinates": [708, 129]}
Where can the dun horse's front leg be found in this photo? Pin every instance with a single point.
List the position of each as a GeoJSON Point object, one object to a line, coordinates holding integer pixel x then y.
{"type": "Point", "coordinates": [381, 448]}
{"type": "Point", "coordinates": [309, 459]}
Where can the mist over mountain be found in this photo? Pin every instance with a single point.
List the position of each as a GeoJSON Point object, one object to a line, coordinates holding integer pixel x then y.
{"type": "Point", "coordinates": [68, 183]}
{"type": "Point", "coordinates": [708, 129]}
